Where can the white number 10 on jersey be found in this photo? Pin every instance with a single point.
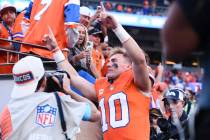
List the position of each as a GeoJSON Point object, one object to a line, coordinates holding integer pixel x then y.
{"type": "Point", "coordinates": [112, 111]}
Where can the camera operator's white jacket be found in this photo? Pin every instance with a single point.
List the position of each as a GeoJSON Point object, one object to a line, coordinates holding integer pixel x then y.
{"type": "Point", "coordinates": [36, 117]}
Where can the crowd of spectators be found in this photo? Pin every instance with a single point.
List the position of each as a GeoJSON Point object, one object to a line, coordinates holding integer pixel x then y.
{"type": "Point", "coordinates": [146, 7]}
{"type": "Point", "coordinates": [183, 79]}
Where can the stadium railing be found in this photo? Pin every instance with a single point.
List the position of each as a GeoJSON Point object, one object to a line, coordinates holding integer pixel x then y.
{"type": "Point", "coordinates": [49, 65]}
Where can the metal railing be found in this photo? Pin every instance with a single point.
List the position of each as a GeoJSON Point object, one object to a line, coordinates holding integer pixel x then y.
{"type": "Point", "coordinates": [19, 55]}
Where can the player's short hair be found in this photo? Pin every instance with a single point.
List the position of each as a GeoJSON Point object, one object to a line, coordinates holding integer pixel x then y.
{"type": "Point", "coordinates": [119, 50]}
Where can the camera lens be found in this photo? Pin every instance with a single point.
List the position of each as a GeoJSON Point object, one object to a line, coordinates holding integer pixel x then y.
{"type": "Point", "coordinates": [163, 124]}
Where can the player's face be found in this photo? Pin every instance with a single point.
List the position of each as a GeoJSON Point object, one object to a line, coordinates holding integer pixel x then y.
{"type": "Point", "coordinates": [117, 64]}
{"type": "Point", "coordinates": [85, 20]}
{"type": "Point", "coordinates": [81, 35]}
{"type": "Point", "coordinates": [8, 16]}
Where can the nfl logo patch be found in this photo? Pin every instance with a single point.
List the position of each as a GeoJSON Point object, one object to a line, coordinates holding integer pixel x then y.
{"type": "Point", "coordinates": [46, 115]}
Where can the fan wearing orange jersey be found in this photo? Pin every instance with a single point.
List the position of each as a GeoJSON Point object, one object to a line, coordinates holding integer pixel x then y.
{"type": "Point", "coordinates": [96, 36]}
{"type": "Point", "coordinates": [124, 95]}
{"type": "Point", "coordinates": [106, 52]}
{"type": "Point", "coordinates": [17, 29]}
{"type": "Point", "coordinates": [58, 15]}
{"type": "Point", "coordinates": [8, 15]}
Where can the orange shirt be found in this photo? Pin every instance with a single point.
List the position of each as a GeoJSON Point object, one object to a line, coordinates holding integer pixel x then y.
{"type": "Point", "coordinates": [124, 109]}
{"type": "Point", "coordinates": [17, 29]}
{"type": "Point", "coordinates": [4, 34]}
{"type": "Point", "coordinates": [97, 59]}
{"type": "Point", "coordinates": [105, 68]}
{"type": "Point", "coordinates": [157, 89]}
{"type": "Point", "coordinates": [5, 68]}
{"type": "Point", "coordinates": [53, 14]}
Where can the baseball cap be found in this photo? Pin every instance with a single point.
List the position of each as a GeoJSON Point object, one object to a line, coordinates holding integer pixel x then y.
{"type": "Point", "coordinates": [174, 94]}
{"type": "Point", "coordinates": [155, 112]}
{"type": "Point", "coordinates": [6, 5]}
{"type": "Point", "coordinates": [26, 73]}
{"type": "Point", "coordinates": [85, 11]}
{"type": "Point", "coordinates": [96, 32]}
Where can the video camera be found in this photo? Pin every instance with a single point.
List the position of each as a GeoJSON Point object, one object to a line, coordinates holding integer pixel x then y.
{"type": "Point", "coordinates": [170, 131]}
{"type": "Point", "coordinates": [165, 127]}
{"type": "Point", "coordinates": [163, 124]}
{"type": "Point", "coordinates": [52, 85]}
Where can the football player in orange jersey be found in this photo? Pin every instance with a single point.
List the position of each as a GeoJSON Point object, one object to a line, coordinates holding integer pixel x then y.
{"type": "Point", "coordinates": [58, 15]}
{"type": "Point", "coordinates": [124, 94]}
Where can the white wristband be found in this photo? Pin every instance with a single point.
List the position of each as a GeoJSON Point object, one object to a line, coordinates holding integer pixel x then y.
{"type": "Point", "coordinates": [121, 33]}
{"type": "Point", "coordinates": [58, 56]}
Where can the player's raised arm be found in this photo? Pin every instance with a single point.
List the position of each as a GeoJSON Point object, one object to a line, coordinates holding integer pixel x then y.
{"type": "Point", "coordinates": [136, 54]}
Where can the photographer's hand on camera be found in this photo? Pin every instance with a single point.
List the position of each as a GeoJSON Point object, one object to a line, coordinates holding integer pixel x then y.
{"type": "Point", "coordinates": [65, 82]}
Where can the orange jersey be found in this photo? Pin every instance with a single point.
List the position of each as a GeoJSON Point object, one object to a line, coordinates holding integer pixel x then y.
{"type": "Point", "coordinates": [17, 29]}
{"type": "Point", "coordinates": [97, 59]}
{"type": "Point", "coordinates": [53, 14]}
{"type": "Point", "coordinates": [5, 68]}
{"type": "Point", "coordinates": [4, 34]}
{"type": "Point", "coordinates": [124, 109]}
{"type": "Point", "coordinates": [105, 68]}
{"type": "Point", "coordinates": [158, 89]}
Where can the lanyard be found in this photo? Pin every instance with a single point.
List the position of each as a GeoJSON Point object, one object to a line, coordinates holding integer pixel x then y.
{"type": "Point", "coordinates": [9, 31]}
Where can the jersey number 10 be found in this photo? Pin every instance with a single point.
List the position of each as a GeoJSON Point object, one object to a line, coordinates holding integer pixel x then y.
{"type": "Point", "coordinates": [122, 98]}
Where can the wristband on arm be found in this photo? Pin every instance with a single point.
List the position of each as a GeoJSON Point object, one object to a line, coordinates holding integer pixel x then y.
{"type": "Point", "coordinates": [121, 33]}
{"type": "Point", "coordinates": [58, 55]}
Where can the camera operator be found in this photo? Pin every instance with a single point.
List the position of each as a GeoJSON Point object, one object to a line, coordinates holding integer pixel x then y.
{"type": "Point", "coordinates": [175, 127]}
{"type": "Point", "coordinates": [33, 113]}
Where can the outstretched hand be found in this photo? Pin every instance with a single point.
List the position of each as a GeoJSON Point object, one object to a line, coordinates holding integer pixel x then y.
{"type": "Point", "coordinates": [108, 20]}
{"type": "Point", "coordinates": [50, 40]}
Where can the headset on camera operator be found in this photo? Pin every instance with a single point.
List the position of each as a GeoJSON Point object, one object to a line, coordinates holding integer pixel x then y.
{"type": "Point", "coordinates": [175, 126]}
